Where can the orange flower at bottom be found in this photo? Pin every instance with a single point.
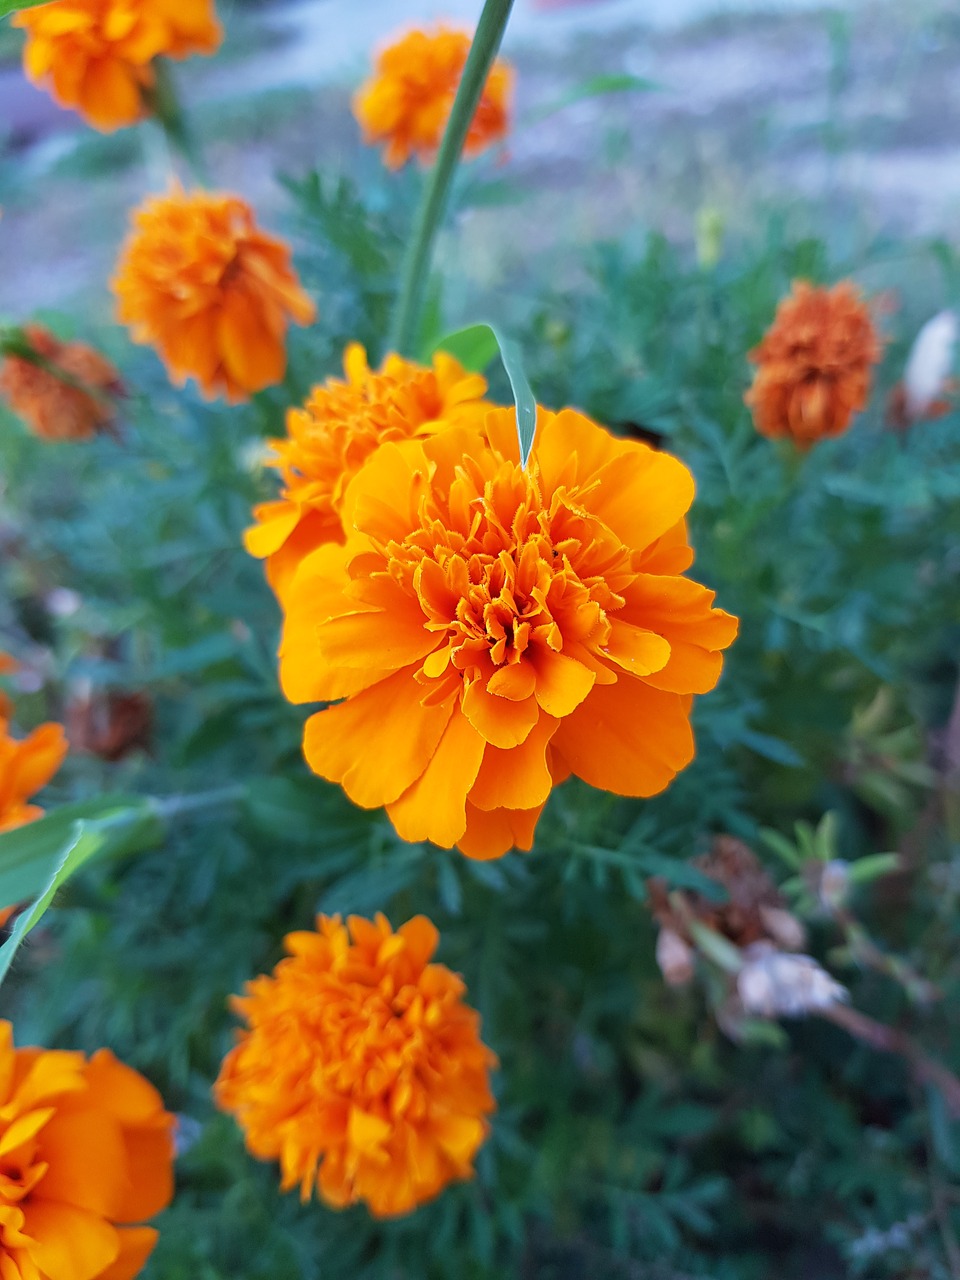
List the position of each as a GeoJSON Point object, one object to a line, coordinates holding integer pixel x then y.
{"type": "Point", "coordinates": [25, 767]}
{"type": "Point", "coordinates": [199, 280]}
{"type": "Point", "coordinates": [361, 1057]}
{"type": "Point", "coordinates": [86, 1150]}
{"type": "Point", "coordinates": [68, 396]}
{"type": "Point", "coordinates": [813, 365]}
{"type": "Point", "coordinates": [407, 103]}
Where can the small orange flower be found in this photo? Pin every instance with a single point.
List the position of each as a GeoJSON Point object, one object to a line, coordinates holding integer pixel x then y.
{"type": "Point", "coordinates": [25, 767]}
{"type": "Point", "coordinates": [96, 55]}
{"type": "Point", "coordinates": [492, 629]}
{"type": "Point", "coordinates": [813, 365]}
{"type": "Point", "coordinates": [407, 103]}
{"type": "Point", "coordinates": [198, 280]}
{"type": "Point", "coordinates": [69, 396]}
{"type": "Point", "coordinates": [361, 1057]}
{"type": "Point", "coordinates": [334, 435]}
{"type": "Point", "coordinates": [86, 1150]}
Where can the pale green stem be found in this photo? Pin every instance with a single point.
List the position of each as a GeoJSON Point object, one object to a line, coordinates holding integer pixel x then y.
{"type": "Point", "coordinates": [436, 194]}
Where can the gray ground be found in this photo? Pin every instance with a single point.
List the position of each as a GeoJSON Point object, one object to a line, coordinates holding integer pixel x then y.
{"type": "Point", "coordinates": [851, 111]}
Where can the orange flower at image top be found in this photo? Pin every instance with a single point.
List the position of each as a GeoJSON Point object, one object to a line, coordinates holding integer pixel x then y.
{"type": "Point", "coordinates": [25, 766]}
{"type": "Point", "coordinates": [86, 1152]}
{"type": "Point", "coordinates": [813, 365]}
{"type": "Point", "coordinates": [407, 102]}
{"type": "Point", "coordinates": [362, 1057]}
{"type": "Point", "coordinates": [336, 432]}
{"type": "Point", "coordinates": [492, 630]}
{"type": "Point", "coordinates": [96, 55]}
{"type": "Point", "coordinates": [70, 396]}
{"type": "Point", "coordinates": [198, 280]}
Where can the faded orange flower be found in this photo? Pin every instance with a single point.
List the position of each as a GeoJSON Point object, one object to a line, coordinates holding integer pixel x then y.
{"type": "Point", "coordinates": [333, 436]}
{"type": "Point", "coordinates": [97, 55]}
{"type": "Point", "coordinates": [68, 395]}
{"type": "Point", "coordinates": [200, 282]}
{"type": "Point", "coordinates": [407, 102]}
{"type": "Point", "coordinates": [361, 1057]}
{"type": "Point", "coordinates": [25, 766]}
{"type": "Point", "coordinates": [87, 1151]}
{"type": "Point", "coordinates": [492, 630]}
{"type": "Point", "coordinates": [813, 365]}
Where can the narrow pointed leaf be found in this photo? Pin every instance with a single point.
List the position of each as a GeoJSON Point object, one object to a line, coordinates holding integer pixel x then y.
{"type": "Point", "coordinates": [470, 340]}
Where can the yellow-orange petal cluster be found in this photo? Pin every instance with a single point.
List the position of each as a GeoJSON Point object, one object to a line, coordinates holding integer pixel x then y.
{"type": "Point", "coordinates": [335, 433]}
{"type": "Point", "coordinates": [68, 395]}
{"type": "Point", "coordinates": [96, 56]}
{"type": "Point", "coordinates": [362, 1058]}
{"type": "Point", "coordinates": [86, 1154]}
{"type": "Point", "coordinates": [406, 103]}
{"type": "Point", "coordinates": [813, 364]}
{"type": "Point", "coordinates": [26, 765]}
{"type": "Point", "coordinates": [492, 630]}
{"type": "Point", "coordinates": [198, 280]}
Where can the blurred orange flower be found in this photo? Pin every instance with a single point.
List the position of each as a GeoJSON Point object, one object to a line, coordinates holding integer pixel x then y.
{"type": "Point", "coordinates": [813, 365]}
{"type": "Point", "coordinates": [492, 630]}
{"type": "Point", "coordinates": [198, 280]}
{"type": "Point", "coordinates": [25, 766]}
{"type": "Point", "coordinates": [361, 1057]}
{"type": "Point", "coordinates": [87, 1151]}
{"type": "Point", "coordinates": [334, 435]}
{"type": "Point", "coordinates": [96, 55]}
{"type": "Point", "coordinates": [407, 102]}
{"type": "Point", "coordinates": [69, 396]}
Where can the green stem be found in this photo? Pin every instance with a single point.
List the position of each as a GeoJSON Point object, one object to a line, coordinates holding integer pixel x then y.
{"type": "Point", "coordinates": [164, 105]}
{"type": "Point", "coordinates": [436, 195]}
{"type": "Point", "coordinates": [176, 806]}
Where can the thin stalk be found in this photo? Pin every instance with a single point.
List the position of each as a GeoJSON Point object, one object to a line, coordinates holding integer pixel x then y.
{"type": "Point", "coordinates": [164, 105]}
{"type": "Point", "coordinates": [436, 194]}
{"type": "Point", "coordinates": [177, 806]}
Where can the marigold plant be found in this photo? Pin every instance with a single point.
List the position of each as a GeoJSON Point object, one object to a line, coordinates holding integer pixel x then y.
{"type": "Point", "coordinates": [334, 435]}
{"type": "Point", "coordinates": [362, 1070]}
{"type": "Point", "coordinates": [25, 766]}
{"type": "Point", "coordinates": [493, 630]}
{"type": "Point", "coordinates": [86, 1152]}
{"type": "Point", "coordinates": [96, 56]}
{"type": "Point", "coordinates": [198, 280]}
{"type": "Point", "coordinates": [406, 103]}
{"type": "Point", "coordinates": [813, 365]}
{"type": "Point", "coordinates": [67, 392]}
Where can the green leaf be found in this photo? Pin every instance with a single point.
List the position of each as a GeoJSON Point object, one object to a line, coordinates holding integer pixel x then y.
{"type": "Point", "coordinates": [475, 346]}
{"type": "Point", "coordinates": [11, 6]}
{"type": "Point", "coordinates": [595, 87]}
{"type": "Point", "coordinates": [512, 360]}
{"type": "Point", "coordinates": [37, 859]}
{"type": "Point", "coordinates": [872, 867]}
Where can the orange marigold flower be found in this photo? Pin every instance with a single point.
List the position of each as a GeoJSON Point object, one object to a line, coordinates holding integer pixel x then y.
{"type": "Point", "coordinates": [813, 365]}
{"type": "Point", "coordinates": [492, 630]}
{"type": "Point", "coordinates": [334, 435]}
{"type": "Point", "coordinates": [361, 1057]}
{"type": "Point", "coordinates": [87, 1151]}
{"type": "Point", "coordinates": [25, 767]}
{"type": "Point", "coordinates": [407, 102]}
{"type": "Point", "coordinates": [68, 395]}
{"type": "Point", "coordinates": [96, 55]}
{"type": "Point", "coordinates": [198, 280]}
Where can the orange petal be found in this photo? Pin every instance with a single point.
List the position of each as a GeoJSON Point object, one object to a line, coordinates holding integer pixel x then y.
{"type": "Point", "coordinates": [518, 778]}
{"type": "Point", "coordinates": [433, 808]}
{"type": "Point", "coordinates": [627, 738]}
{"type": "Point", "coordinates": [136, 1245]}
{"type": "Point", "coordinates": [494, 833]}
{"type": "Point", "coordinates": [68, 1243]}
{"type": "Point", "coordinates": [501, 722]}
{"type": "Point", "coordinates": [377, 743]}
